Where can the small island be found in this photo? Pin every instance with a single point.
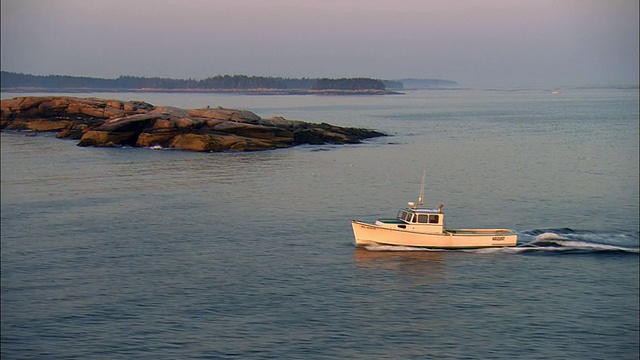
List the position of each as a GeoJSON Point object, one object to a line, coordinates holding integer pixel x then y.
{"type": "Point", "coordinates": [109, 123]}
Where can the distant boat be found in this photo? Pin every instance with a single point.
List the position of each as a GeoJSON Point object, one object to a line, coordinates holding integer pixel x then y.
{"type": "Point", "coordinates": [555, 92]}
{"type": "Point", "coordinates": [416, 226]}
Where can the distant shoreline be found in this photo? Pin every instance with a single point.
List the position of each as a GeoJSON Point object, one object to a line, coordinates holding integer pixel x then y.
{"type": "Point", "coordinates": [207, 91]}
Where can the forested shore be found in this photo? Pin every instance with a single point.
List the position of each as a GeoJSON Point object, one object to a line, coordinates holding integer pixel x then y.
{"type": "Point", "coordinates": [18, 82]}
{"type": "Point", "coordinates": [219, 82]}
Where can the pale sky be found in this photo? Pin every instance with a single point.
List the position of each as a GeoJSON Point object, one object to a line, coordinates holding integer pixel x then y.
{"type": "Point", "coordinates": [477, 43]}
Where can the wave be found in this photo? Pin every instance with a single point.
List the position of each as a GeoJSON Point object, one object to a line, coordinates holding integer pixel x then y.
{"type": "Point", "coordinates": [565, 241]}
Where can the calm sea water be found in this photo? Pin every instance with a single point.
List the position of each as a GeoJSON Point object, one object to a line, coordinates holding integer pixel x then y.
{"type": "Point", "coordinates": [162, 254]}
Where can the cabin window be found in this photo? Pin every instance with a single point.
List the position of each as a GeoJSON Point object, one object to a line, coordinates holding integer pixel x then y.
{"type": "Point", "coordinates": [422, 218]}
{"type": "Point", "coordinates": [433, 219]}
{"type": "Point", "coordinates": [408, 216]}
{"type": "Point", "coordinates": [404, 215]}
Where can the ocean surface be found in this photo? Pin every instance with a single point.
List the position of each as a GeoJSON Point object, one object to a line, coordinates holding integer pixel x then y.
{"type": "Point", "coordinates": [134, 253]}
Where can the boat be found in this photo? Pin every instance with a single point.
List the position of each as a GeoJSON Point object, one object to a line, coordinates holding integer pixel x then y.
{"type": "Point", "coordinates": [418, 226]}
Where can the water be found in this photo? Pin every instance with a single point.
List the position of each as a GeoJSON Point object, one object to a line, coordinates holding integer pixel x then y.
{"type": "Point", "coordinates": [140, 253]}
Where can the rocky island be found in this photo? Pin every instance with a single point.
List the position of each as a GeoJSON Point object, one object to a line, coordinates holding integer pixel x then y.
{"type": "Point", "coordinates": [107, 123]}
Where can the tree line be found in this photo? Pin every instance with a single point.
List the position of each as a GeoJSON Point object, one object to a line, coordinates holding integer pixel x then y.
{"type": "Point", "coordinates": [19, 80]}
{"type": "Point", "coordinates": [349, 84]}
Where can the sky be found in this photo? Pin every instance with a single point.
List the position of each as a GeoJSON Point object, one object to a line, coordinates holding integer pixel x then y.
{"type": "Point", "coordinates": [477, 43]}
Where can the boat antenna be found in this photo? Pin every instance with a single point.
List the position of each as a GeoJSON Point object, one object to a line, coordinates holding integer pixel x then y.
{"type": "Point", "coordinates": [421, 197]}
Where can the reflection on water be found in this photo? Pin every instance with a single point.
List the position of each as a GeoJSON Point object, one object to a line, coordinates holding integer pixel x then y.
{"type": "Point", "coordinates": [426, 264]}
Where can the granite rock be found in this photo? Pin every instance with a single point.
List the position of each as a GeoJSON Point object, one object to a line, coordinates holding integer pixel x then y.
{"type": "Point", "coordinates": [107, 122]}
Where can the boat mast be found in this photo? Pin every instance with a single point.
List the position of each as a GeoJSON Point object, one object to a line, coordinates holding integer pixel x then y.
{"type": "Point", "coordinates": [421, 197]}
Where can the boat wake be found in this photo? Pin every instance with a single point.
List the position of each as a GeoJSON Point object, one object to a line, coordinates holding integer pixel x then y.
{"type": "Point", "coordinates": [578, 241]}
{"type": "Point", "coordinates": [402, 248]}
{"type": "Point", "coordinates": [550, 241]}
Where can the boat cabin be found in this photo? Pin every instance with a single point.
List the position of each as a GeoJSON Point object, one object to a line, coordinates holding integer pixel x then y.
{"type": "Point", "coordinates": [421, 216]}
{"type": "Point", "coordinates": [417, 219]}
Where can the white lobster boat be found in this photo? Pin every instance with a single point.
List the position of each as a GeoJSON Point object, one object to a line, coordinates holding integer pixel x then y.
{"type": "Point", "coordinates": [416, 226]}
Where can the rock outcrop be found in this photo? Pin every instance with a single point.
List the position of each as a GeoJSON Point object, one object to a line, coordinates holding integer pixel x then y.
{"type": "Point", "coordinates": [102, 122]}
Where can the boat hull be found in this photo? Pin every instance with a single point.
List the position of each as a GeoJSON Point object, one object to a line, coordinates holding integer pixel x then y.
{"type": "Point", "coordinates": [371, 234]}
